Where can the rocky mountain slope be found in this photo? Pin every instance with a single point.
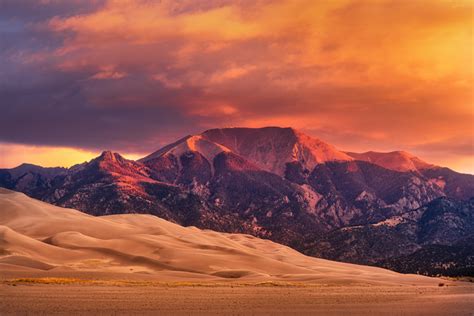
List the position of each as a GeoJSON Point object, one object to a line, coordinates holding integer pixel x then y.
{"type": "Point", "coordinates": [275, 183]}
{"type": "Point", "coordinates": [31, 179]}
{"type": "Point", "coordinates": [433, 239]}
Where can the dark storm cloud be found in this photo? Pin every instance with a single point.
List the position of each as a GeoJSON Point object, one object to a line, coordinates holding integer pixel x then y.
{"type": "Point", "coordinates": [45, 105]}
{"type": "Point", "coordinates": [65, 109]}
{"type": "Point", "coordinates": [31, 11]}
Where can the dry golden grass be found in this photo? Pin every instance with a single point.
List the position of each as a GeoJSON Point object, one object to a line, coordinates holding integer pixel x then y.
{"type": "Point", "coordinates": [76, 281]}
{"type": "Point", "coordinates": [469, 279]}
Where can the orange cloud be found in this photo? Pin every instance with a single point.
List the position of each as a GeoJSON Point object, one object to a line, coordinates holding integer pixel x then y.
{"type": "Point", "coordinates": [230, 73]}
{"type": "Point", "coordinates": [146, 22]}
{"type": "Point", "coordinates": [366, 74]}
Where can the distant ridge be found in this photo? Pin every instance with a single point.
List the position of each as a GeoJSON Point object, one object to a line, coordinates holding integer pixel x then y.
{"type": "Point", "coordinates": [395, 160]}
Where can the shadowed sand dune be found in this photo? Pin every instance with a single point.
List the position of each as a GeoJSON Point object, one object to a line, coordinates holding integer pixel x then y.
{"type": "Point", "coordinates": [36, 236]}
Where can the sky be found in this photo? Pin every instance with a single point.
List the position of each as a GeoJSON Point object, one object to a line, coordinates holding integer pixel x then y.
{"type": "Point", "coordinates": [81, 76]}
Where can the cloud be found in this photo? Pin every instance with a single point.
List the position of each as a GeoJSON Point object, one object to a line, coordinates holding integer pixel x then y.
{"type": "Point", "coordinates": [168, 83]}
{"type": "Point", "coordinates": [451, 146]}
{"type": "Point", "coordinates": [131, 75]}
{"type": "Point", "coordinates": [230, 73]}
{"type": "Point", "coordinates": [109, 72]}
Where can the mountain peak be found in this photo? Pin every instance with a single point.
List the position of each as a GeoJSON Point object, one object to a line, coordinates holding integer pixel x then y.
{"type": "Point", "coordinates": [31, 168]}
{"type": "Point", "coordinates": [109, 156]}
{"type": "Point", "coordinates": [196, 143]}
{"type": "Point", "coordinates": [116, 164]}
{"type": "Point", "coordinates": [271, 148]}
{"type": "Point", "coordinates": [108, 160]}
{"type": "Point", "coordinates": [27, 165]}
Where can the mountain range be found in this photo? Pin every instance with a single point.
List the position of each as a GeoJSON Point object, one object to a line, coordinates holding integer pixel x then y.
{"type": "Point", "coordinates": [387, 209]}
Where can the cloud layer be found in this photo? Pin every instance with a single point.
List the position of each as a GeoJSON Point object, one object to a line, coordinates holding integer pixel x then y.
{"type": "Point", "coordinates": [133, 75]}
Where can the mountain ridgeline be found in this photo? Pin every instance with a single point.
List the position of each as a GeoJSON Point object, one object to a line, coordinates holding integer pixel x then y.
{"type": "Point", "coordinates": [387, 209]}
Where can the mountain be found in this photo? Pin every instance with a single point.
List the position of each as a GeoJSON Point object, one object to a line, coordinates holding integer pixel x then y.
{"type": "Point", "coordinates": [395, 160]}
{"type": "Point", "coordinates": [321, 179]}
{"type": "Point", "coordinates": [454, 184]}
{"type": "Point", "coordinates": [31, 179]}
{"type": "Point", "coordinates": [111, 184]}
{"type": "Point", "coordinates": [274, 148]}
{"type": "Point", "coordinates": [226, 180]}
{"type": "Point", "coordinates": [433, 239]}
{"type": "Point", "coordinates": [274, 183]}
{"type": "Point", "coordinates": [449, 260]}
{"type": "Point", "coordinates": [41, 238]}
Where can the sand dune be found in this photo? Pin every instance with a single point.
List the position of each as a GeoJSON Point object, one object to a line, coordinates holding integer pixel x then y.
{"type": "Point", "coordinates": [36, 236]}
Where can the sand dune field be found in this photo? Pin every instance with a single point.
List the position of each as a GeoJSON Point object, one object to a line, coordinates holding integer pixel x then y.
{"type": "Point", "coordinates": [47, 247]}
